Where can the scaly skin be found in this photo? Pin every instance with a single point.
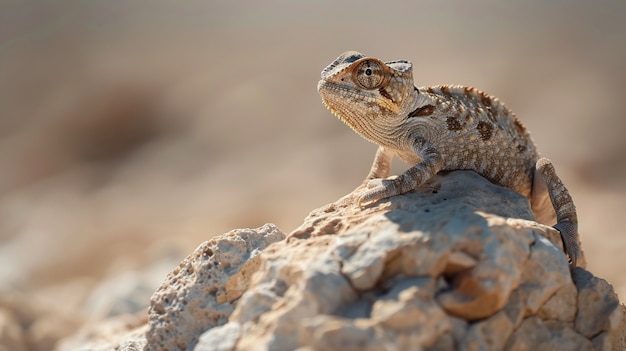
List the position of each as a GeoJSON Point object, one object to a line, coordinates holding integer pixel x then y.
{"type": "Point", "coordinates": [442, 128]}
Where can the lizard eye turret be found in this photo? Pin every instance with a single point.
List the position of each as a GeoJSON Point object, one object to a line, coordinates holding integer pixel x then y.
{"type": "Point", "coordinates": [369, 74]}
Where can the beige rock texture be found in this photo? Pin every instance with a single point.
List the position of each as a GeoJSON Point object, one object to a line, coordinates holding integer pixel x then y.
{"type": "Point", "coordinates": [199, 294]}
{"type": "Point", "coordinates": [194, 297]}
{"type": "Point", "coordinates": [459, 265]}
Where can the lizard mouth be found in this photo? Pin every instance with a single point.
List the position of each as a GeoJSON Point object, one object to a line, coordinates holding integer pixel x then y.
{"type": "Point", "coordinates": [320, 85]}
{"type": "Point", "coordinates": [338, 97]}
{"type": "Point", "coordinates": [328, 92]}
{"type": "Point", "coordinates": [327, 103]}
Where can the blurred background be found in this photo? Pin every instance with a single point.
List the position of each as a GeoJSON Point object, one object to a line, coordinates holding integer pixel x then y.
{"type": "Point", "coordinates": [130, 132]}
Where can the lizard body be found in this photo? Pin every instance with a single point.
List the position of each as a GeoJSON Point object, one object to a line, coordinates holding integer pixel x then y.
{"type": "Point", "coordinates": [442, 128]}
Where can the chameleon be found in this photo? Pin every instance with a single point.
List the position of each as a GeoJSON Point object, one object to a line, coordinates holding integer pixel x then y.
{"type": "Point", "coordinates": [442, 128]}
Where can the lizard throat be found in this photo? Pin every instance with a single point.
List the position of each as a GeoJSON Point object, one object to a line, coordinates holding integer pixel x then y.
{"type": "Point", "coordinates": [347, 121]}
{"type": "Point", "coordinates": [365, 126]}
{"type": "Point", "coordinates": [370, 116]}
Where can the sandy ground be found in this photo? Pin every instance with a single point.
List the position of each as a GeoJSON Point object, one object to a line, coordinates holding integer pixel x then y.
{"type": "Point", "coordinates": [132, 132]}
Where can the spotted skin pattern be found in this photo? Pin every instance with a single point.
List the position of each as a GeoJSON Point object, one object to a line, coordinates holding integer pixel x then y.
{"type": "Point", "coordinates": [442, 128]}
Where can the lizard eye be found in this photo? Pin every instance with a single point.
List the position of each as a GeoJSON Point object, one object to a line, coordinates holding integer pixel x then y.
{"type": "Point", "coordinates": [369, 74]}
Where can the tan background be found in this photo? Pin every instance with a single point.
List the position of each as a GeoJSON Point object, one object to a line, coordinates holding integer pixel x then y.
{"type": "Point", "coordinates": [130, 132]}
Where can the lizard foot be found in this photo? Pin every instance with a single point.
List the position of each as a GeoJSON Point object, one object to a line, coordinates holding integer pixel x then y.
{"type": "Point", "coordinates": [569, 235]}
{"type": "Point", "coordinates": [379, 189]}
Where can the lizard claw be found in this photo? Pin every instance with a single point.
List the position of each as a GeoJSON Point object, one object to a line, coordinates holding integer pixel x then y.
{"type": "Point", "coordinates": [384, 188]}
{"type": "Point", "coordinates": [375, 187]}
{"type": "Point", "coordinates": [378, 189]}
{"type": "Point", "coordinates": [364, 200]}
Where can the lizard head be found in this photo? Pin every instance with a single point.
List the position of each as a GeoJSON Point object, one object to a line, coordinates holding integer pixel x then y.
{"type": "Point", "coordinates": [364, 91]}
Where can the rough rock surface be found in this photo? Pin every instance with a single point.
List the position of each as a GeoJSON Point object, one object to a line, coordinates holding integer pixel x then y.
{"type": "Point", "coordinates": [458, 266]}
{"type": "Point", "coordinates": [199, 294]}
{"type": "Point", "coordinates": [195, 296]}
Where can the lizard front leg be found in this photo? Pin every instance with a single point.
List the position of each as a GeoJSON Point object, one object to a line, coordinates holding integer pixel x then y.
{"type": "Point", "coordinates": [381, 165]}
{"type": "Point", "coordinates": [431, 163]}
{"type": "Point", "coordinates": [546, 179]}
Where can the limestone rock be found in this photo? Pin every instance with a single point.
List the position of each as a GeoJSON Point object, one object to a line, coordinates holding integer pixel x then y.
{"type": "Point", "coordinates": [535, 334]}
{"type": "Point", "coordinates": [199, 293]}
{"type": "Point", "coordinates": [459, 265]}
{"type": "Point", "coordinates": [599, 308]}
